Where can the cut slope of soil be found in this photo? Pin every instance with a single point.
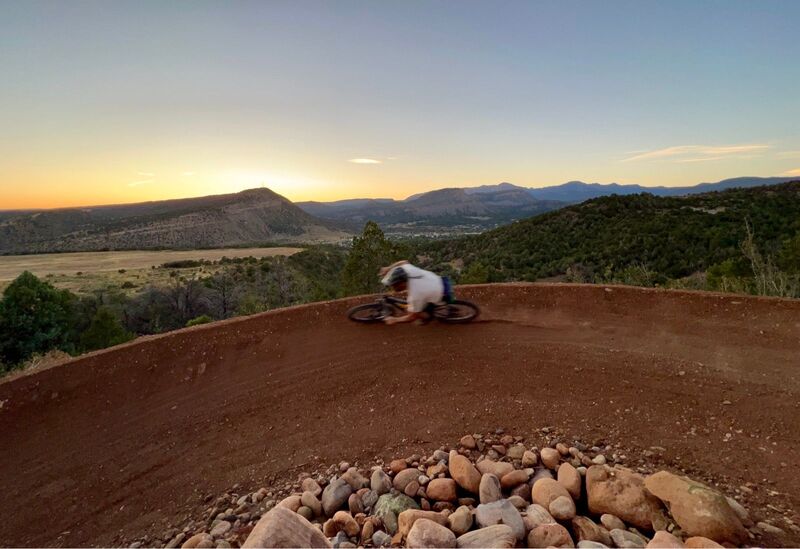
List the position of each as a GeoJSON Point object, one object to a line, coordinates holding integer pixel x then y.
{"type": "Point", "coordinates": [125, 441]}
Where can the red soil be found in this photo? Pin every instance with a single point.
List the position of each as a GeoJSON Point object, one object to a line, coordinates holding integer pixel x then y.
{"type": "Point", "coordinates": [123, 442]}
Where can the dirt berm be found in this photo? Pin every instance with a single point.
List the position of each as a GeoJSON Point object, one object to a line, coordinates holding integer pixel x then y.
{"type": "Point", "coordinates": [126, 441]}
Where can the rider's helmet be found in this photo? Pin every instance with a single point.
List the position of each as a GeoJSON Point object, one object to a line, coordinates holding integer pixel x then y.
{"type": "Point", "coordinates": [397, 276]}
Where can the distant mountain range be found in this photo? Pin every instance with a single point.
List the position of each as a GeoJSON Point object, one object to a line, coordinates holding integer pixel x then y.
{"type": "Point", "coordinates": [489, 206]}
{"type": "Point", "coordinates": [252, 217]}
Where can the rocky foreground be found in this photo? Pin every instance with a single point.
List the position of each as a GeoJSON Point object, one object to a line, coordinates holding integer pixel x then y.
{"type": "Point", "coordinates": [492, 491]}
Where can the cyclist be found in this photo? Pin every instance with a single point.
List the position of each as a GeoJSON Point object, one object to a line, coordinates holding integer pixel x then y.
{"type": "Point", "coordinates": [425, 289]}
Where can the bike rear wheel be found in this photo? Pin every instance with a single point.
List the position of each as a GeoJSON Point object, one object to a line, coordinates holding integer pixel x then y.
{"type": "Point", "coordinates": [369, 312]}
{"type": "Point", "coordinates": [457, 312]}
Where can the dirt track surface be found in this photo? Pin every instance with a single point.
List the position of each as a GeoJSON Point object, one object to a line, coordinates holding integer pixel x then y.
{"type": "Point", "coordinates": [126, 441]}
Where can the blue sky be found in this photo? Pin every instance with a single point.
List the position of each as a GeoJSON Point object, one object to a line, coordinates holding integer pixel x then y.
{"type": "Point", "coordinates": [122, 101]}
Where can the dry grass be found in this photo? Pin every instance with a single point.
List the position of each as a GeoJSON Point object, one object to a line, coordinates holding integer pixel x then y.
{"type": "Point", "coordinates": [102, 269]}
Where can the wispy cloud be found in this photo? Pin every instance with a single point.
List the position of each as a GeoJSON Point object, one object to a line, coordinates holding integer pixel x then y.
{"type": "Point", "coordinates": [365, 161]}
{"type": "Point", "coordinates": [187, 174]}
{"type": "Point", "coordinates": [788, 154]}
{"type": "Point", "coordinates": [792, 172]}
{"type": "Point", "coordinates": [146, 174]}
{"type": "Point", "coordinates": [698, 153]}
{"type": "Point", "coordinates": [140, 182]}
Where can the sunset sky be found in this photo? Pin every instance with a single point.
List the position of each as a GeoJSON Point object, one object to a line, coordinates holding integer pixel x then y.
{"type": "Point", "coordinates": [109, 101]}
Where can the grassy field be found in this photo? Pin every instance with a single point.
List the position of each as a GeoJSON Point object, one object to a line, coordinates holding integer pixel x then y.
{"type": "Point", "coordinates": [88, 271]}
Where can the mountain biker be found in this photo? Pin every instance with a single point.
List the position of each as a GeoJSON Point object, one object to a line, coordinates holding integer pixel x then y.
{"type": "Point", "coordinates": [425, 290]}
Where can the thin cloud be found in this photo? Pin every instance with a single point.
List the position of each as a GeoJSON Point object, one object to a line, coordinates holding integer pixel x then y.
{"type": "Point", "coordinates": [683, 153]}
{"type": "Point", "coordinates": [146, 174]}
{"type": "Point", "coordinates": [788, 154]}
{"type": "Point", "coordinates": [187, 174]}
{"type": "Point", "coordinates": [792, 172]}
{"type": "Point", "coordinates": [700, 159]}
{"type": "Point", "coordinates": [365, 161]}
{"type": "Point", "coordinates": [141, 182]}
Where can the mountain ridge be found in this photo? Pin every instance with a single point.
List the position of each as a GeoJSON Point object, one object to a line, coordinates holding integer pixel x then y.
{"type": "Point", "coordinates": [250, 217]}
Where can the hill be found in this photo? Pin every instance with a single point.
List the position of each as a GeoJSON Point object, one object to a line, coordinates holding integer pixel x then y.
{"type": "Point", "coordinates": [671, 236]}
{"type": "Point", "coordinates": [255, 216]}
{"type": "Point", "coordinates": [453, 208]}
{"type": "Point", "coordinates": [475, 209]}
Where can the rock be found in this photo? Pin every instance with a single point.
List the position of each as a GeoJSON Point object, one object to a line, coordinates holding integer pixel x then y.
{"type": "Point", "coordinates": [468, 442]}
{"type": "Point", "coordinates": [397, 465]}
{"type": "Point", "coordinates": [369, 499]}
{"type": "Point", "coordinates": [205, 541]}
{"type": "Point", "coordinates": [529, 459]}
{"type": "Point", "coordinates": [489, 489]}
{"type": "Point", "coordinates": [381, 539]}
{"type": "Point", "coordinates": [768, 528]}
{"type": "Point", "coordinates": [292, 503]}
{"type": "Point", "coordinates": [223, 544]}
{"type": "Point", "coordinates": [380, 482]}
{"type": "Point", "coordinates": [546, 490]}
{"type": "Point", "coordinates": [515, 452]}
{"type": "Point", "coordinates": [335, 495]}
{"type": "Point", "coordinates": [407, 518]}
{"type": "Point", "coordinates": [562, 449]}
{"type": "Point", "coordinates": [522, 491]}
{"type": "Point", "coordinates": [306, 513]}
{"type": "Point", "coordinates": [436, 470]}
{"type": "Point", "coordinates": [540, 473]}
{"type": "Point", "coordinates": [464, 473]}
{"type": "Point", "coordinates": [354, 504]}
{"type": "Point", "coordinates": [220, 529]}
{"type": "Point", "coordinates": [391, 505]}
{"type": "Point", "coordinates": [570, 479]}
{"type": "Point", "coordinates": [518, 502]}
{"type": "Point", "coordinates": [282, 528]}
{"type": "Point", "coordinates": [514, 478]}
{"type": "Point", "coordinates": [536, 515]}
{"type": "Point", "coordinates": [549, 535]}
{"type": "Point", "coordinates": [585, 528]}
{"type": "Point", "coordinates": [698, 509]}
{"type": "Point", "coordinates": [622, 493]}
{"type": "Point", "coordinates": [460, 521]}
{"type": "Point", "coordinates": [176, 541]}
{"type": "Point", "coordinates": [442, 489]}
{"type": "Point", "coordinates": [699, 542]}
{"type": "Point", "coordinates": [308, 485]}
{"type": "Point", "coordinates": [741, 512]}
{"type": "Point", "coordinates": [355, 479]}
{"type": "Point", "coordinates": [500, 512]}
{"type": "Point", "coordinates": [404, 478]}
{"type": "Point", "coordinates": [665, 540]}
{"type": "Point", "coordinates": [611, 522]}
{"type": "Point", "coordinates": [310, 500]}
{"type": "Point", "coordinates": [427, 533]}
{"type": "Point", "coordinates": [412, 488]}
{"type": "Point", "coordinates": [627, 540]}
{"type": "Point", "coordinates": [586, 544]}
{"type": "Point", "coordinates": [562, 508]}
{"type": "Point", "coordinates": [345, 522]}
{"type": "Point", "coordinates": [498, 536]}
{"type": "Point", "coordinates": [599, 459]}
{"type": "Point", "coordinates": [367, 532]}
{"type": "Point", "coordinates": [496, 468]}
{"type": "Point", "coordinates": [550, 457]}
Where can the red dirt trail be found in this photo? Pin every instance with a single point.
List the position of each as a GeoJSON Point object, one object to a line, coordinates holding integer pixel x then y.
{"type": "Point", "coordinates": [126, 441]}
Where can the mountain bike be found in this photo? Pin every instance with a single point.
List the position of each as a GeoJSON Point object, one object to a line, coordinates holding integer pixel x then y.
{"type": "Point", "coordinates": [455, 311]}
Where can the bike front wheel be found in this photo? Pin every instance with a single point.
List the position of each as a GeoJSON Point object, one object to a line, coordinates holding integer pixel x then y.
{"type": "Point", "coordinates": [369, 312]}
{"type": "Point", "coordinates": [456, 312]}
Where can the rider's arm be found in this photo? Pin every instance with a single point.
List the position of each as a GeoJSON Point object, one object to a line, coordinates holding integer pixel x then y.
{"type": "Point", "coordinates": [384, 270]}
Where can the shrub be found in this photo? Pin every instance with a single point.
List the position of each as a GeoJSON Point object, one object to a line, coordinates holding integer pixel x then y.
{"type": "Point", "coordinates": [202, 319]}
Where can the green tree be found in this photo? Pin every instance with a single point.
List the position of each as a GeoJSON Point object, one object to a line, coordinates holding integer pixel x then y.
{"type": "Point", "coordinates": [476, 273]}
{"type": "Point", "coordinates": [105, 330]}
{"type": "Point", "coordinates": [35, 317]}
{"type": "Point", "coordinates": [369, 253]}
